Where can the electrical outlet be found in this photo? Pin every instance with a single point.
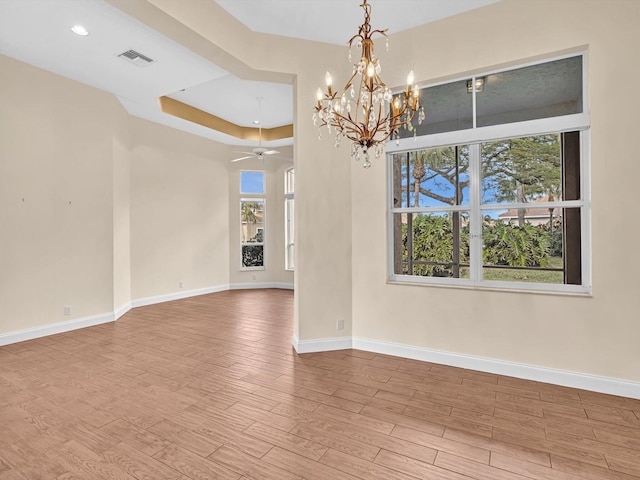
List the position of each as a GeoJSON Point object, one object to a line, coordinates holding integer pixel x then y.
{"type": "Point", "coordinates": [340, 325]}
{"type": "Point", "coordinates": [68, 310]}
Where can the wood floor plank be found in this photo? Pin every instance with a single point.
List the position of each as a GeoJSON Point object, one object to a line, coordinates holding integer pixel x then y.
{"type": "Point", "coordinates": [185, 438]}
{"type": "Point", "coordinates": [530, 470]}
{"type": "Point", "coordinates": [321, 433]}
{"type": "Point", "coordinates": [442, 444]}
{"type": "Point", "coordinates": [210, 387]}
{"type": "Point", "coordinates": [249, 466]}
{"type": "Point", "coordinates": [470, 469]}
{"type": "Point", "coordinates": [382, 441]}
{"type": "Point", "coordinates": [574, 451]}
{"type": "Point", "coordinates": [362, 468]}
{"type": "Point", "coordinates": [139, 465]}
{"type": "Point", "coordinates": [414, 467]}
{"type": "Point", "coordinates": [193, 466]}
{"type": "Point", "coordinates": [287, 441]}
{"type": "Point", "coordinates": [303, 467]}
{"type": "Point", "coordinates": [493, 445]}
{"type": "Point", "coordinates": [84, 463]}
{"type": "Point", "coordinates": [586, 470]}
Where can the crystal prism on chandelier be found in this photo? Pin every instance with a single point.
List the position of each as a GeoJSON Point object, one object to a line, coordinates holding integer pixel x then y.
{"type": "Point", "coordinates": [366, 111]}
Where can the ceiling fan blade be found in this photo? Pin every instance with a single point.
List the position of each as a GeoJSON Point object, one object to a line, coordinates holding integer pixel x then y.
{"type": "Point", "coordinates": [270, 152]}
{"type": "Point", "coordinates": [242, 158]}
{"type": "Point", "coordinates": [246, 153]}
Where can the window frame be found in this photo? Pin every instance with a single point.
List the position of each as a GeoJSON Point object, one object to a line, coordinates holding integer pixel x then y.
{"type": "Point", "coordinates": [254, 197]}
{"type": "Point", "coordinates": [474, 137]}
{"type": "Point", "coordinates": [289, 223]}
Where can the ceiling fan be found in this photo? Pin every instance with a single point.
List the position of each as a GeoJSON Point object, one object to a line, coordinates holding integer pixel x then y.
{"type": "Point", "coordinates": [259, 152]}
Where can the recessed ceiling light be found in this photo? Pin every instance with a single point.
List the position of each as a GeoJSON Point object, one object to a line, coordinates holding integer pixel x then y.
{"type": "Point", "coordinates": [80, 30]}
{"type": "Point", "coordinates": [256, 122]}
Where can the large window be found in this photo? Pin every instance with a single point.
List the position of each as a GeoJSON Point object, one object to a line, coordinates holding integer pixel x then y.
{"type": "Point", "coordinates": [288, 218]}
{"type": "Point", "coordinates": [252, 220]}
{"type": "Point", "coordinates": [503, 203]}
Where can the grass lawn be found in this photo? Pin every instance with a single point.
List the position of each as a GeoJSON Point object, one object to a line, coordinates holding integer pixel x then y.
{"type": "Point", "coordinates": [521, 275]}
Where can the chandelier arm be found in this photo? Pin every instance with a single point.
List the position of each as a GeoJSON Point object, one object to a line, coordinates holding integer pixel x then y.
{"type": "Point", "coordinates": [381, 32]}
{"type": "Point", "coordinates": [348, 123]}
{"type": "Point", "coordinates": [357, 35]}
{"type": "Point", "coordinates": [348, 84]}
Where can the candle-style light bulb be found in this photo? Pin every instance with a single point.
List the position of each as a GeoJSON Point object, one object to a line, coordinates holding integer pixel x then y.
{"type": "Point", "coordinates": [327, 79]}
{"type": "Point", "coordinates": [416, 94]}
{"type": "Point", "coordinates": [371, 69]}
{"type": "Point", "coordinates": [319, 94]}
{"type": "Point", "coordinates": [410, 78]}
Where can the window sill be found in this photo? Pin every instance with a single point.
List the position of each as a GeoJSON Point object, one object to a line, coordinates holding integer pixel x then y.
{"type": "Point", "coordinates": [577, 291]}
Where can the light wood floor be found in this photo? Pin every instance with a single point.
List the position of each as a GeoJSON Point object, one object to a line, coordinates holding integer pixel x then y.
{"type": "Point", "coordinates": [209, 387]}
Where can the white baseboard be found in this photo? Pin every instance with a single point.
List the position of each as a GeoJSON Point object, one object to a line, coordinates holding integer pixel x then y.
{"type": "Point", "coordinates": [61, 327]}
{"type": "Point", "coordinates": [143, 302]}
{"type": "Point", "coordinates": [321, 344]}
{"type": "Point", "coordinates": [595, 383]}
{"type": "Point", "coordinates": [247, 286]}
{"type": "Point", "coordinates": [53, 328]}
{"type": "Point", "coordinates": [120, 311]}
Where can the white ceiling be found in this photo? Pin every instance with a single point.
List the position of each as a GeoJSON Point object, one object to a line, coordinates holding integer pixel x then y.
{"type": "Point", "coordinates": [336, 21]}
{"type": "Point", "coordinates": [38, 32]}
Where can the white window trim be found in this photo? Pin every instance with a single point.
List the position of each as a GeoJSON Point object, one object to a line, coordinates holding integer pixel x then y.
{"type": "Point", "coordinates": [289, 242]}
{"type": "Point", "coordinates": [474, 137]}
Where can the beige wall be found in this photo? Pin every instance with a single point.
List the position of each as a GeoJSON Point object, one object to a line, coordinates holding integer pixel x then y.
{"type": "Point", "coordinates": [179, 211]}
{"type": "Point", "coordinates": [597, 335]}
{"type": "Point", "coordinates": [121, 216]}
{"type": "Point", "coordinates": [56, 198]}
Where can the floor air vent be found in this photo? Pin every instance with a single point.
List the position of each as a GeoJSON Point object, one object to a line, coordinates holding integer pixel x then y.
{"type": "Point", "coordinates": [136, 58]}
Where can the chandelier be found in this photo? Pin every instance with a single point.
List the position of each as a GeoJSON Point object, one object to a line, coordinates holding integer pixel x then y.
{"type": "Point", "coordinates": [366, 111]}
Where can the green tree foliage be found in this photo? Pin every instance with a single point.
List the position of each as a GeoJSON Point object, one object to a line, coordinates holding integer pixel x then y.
{"type": "Point", "coordinates": [515, 246]}
{"type": "Point", "coordinates": [433, 242]}
{"type": "Point", "coordinates": [250, 210]}
{"type": "Point", "coordinates": [513, 170]}
{"type": "Point", "coordinates": [556, 234]}
{"type": "Point", "coordinates": [521, 169]}
{"type": "Point", "coordinates": [446, 174]}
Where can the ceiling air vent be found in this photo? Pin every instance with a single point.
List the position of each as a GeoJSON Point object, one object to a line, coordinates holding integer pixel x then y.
{"type": "Point", "coordinates": [136, 58]}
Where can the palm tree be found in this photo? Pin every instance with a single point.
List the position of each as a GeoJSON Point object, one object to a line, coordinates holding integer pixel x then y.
{"type": "Point", "coordinates": [249, 210]}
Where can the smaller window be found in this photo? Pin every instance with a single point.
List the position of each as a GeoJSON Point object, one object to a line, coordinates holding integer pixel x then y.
{"type": "Point", "coordinates": [252, 183]}
{"type": "Point", "coordinates": [252, 234]}
{"type": "Point", "coordinates": [252, 220]}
